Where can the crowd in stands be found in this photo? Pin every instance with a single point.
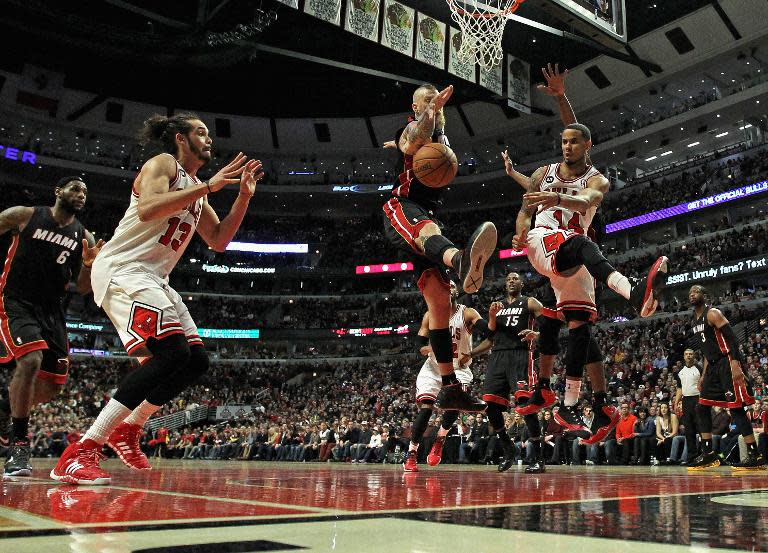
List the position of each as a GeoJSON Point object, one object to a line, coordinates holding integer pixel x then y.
{"type": "Point", "coordinates": [361, 411]}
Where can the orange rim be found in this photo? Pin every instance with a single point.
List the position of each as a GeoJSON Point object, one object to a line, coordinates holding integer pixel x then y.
{"type": "Point", "coordinates": [487, 15]}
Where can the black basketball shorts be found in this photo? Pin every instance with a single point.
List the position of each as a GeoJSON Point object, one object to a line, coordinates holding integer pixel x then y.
{"type": "Point", "coordinates": [26, 327]}
{"type": "Point", "coordinates": [717, 387]}
{"type": "Point", "coordinates": [508, 369]}
{"type": "Point", "coordinates": [403, 220]}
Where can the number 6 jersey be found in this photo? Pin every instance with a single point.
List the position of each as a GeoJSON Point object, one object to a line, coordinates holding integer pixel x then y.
{"type": "Point", "coordinates": [149, 246]}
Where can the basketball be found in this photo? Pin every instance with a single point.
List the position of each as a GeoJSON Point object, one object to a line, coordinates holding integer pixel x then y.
{"type": "Point", "coordinates": [435, 165]}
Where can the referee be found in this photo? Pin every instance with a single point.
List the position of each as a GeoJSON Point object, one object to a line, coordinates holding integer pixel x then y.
{"type": "Point", "coordinates": [687, 380]}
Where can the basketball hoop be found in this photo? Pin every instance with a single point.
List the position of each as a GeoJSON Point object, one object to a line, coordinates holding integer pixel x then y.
{"type": "Point", "coordinates": [482, 27]}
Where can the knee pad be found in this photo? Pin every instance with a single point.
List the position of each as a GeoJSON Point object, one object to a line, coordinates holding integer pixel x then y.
{"type": "Point", "coordinates": [578, 349]}
{"type": "Point", "coordinates": [170, 352]}
{"type": "Point", "coordinates": [435, 246]}
{"type": "Point", "coordinates": [54, 370]}
{"type": "Point", "coordinates": [704, 418]}
{"type": "Point", "coordinates": [442, 346]}
{"type": "Point", "coordinates": [198, 361]}
{"type": "Point", "coordinates": [449, 417]}
{"type": "Point", "coordinates": [739, 418]}
{"type": "Point", "coordinates": [495, 414]}
{"type": "Point", "coordinates": [594, 354]}
{"type": "Point", "coordinates": [549, 335]}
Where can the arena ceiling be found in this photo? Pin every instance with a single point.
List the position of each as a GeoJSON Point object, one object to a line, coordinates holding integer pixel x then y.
{"type": "Point", "coordinates": [157, 52]}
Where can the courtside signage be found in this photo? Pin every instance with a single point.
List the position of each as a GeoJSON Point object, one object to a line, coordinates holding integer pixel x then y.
{"type": "Point", "coordinates": [506, 254]}
{"type": "Point", "coordinates": [709, 201]}
{"type": "Point", "coordinates": [716, 271]}
{"type": "Point", "coordinates": [384, 268]}
{"type": "Point", "coordinates": [267, 248]}
{"type": "Point", "coordinates": [224, 269]}
{"type": "Point", "coordinates": [372, 331]}
{"type": "Point", "coordinates": [228, 333]}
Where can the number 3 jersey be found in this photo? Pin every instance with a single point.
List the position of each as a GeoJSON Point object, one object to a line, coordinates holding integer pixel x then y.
{"type": "Point", "coordinates": [559, 217]}
{"type": "Point", "coordinates": [42, 258]}
{"type": "Point", "coordinates": [149, 246]}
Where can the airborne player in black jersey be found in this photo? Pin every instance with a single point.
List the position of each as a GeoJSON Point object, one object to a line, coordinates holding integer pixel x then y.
{"type": "Point", "coordinates": [722, 383]}
{"type": "Point", "coordinates": [49, 247]}
{"type": "Point", "coordinates": [410, 224]}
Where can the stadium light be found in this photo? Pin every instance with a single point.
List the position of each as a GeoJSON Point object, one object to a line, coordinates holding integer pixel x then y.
{"type": "Point", "coordinates": [650, 158]}
{"type": "Point", "coordinates": [665, 153]}
{"type": "Point", "coordinates": [722, 134]}
{"type": "Point", "coordinates": [692, 144]}
{"type": "Point", "coordinates": [396, 267]}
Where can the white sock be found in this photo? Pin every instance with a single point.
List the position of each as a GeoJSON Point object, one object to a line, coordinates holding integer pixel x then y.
{"type": "Point", "coordinates": [413, 447]}
{"type": "Point", "coordinates": [572, 391]}
{"type": "Point", "coordinates": [619, 284]}
{"type": "Point", "coordinates": [110, 418]}
{"type": "Point", "coordinates": [141, 414]}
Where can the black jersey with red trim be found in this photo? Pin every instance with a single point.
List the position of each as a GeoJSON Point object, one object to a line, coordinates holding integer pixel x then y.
{"type": "Point", "coordinates": [408, 186]}
{"type": "Point", "coordinates": [42, 258]}
{"type": "Point", "coordinates": [713, 345]}
{"type": "Point", "coordinates": [512, 319]}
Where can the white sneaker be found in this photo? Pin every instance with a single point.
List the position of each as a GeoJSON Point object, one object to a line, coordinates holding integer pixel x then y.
{"type": "Point", "coordinates": [590, 463]}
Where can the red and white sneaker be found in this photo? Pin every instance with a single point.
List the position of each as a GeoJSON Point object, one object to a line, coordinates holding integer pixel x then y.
{"type": "Point", "coordinates": [409, 463]}
{"type": "Point", "coordinates": [436, 453]}
{"type": "Point", "coordinates": [530, 403]}
{"type": "Point", "coordinates": [79, 464]}
{"type": "Point", "coordinates": [124, 441]}
{"type": "Point", "coordinates": [604, 422]}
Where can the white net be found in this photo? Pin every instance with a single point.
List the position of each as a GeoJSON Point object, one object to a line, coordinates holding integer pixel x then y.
{"type": "Point", "coordinates": [482, 27]}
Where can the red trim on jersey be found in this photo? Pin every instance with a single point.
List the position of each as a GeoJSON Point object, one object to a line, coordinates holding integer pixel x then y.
{"type": "Point", "coordinates": [495, 399]}
{"type": "Point", "coordinates": [561, 179]}
{"type": "Point", "coordinates": [56, 378]}
{"type": "Point", "coordinates": [405, 179]}
{"type": "Point", "coordinates": [721, 342]}
{"type": "Point", "coordinates": [551, 313]}
{"type": "Point", "coordinates": [5, 329]}
{"type": "Point", "coordinates": [134, 344]}
{"type": "Point", "coordinates": [422, 397]}
{"type": "Point", "coordinates": [408, 231]}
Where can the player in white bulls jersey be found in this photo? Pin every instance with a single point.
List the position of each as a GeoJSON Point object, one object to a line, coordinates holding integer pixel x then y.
{"type": "Point", "coordinates": [464, 320]}
{"type": "Point", "coordinates": [130, 282]}
{"type": "Point", "coordinates": [564, 197]}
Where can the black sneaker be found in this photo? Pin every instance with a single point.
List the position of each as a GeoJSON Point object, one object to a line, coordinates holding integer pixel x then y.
{"type": "Point", "coordinates": [536, 468]}
{"type": "Point", "coordinates": [707, 460]}
{"type": "Point", "coordinates": [17, 463]}
{"type": "Point", "coordinates": [505, 464]}
{"type": "Point", "coordinates": [475, 255]}
{"type": "Point", "coordinates": [569, 418]}
{"type": "Point", "coordinates": [452, 397]}
{"type": "Point", "coordinates": [643, 296]}
{"type": "Point", "coordinates": [753, 462]}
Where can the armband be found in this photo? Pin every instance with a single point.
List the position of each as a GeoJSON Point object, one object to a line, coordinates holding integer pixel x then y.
{"type": "Point", "coordinates": [421, 341]}
{"type": "Point", "coordinates": [730, 342]}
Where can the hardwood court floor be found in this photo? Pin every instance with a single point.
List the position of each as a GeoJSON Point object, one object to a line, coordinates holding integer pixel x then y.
{"type": "Point", "coordinates": [235, 506]}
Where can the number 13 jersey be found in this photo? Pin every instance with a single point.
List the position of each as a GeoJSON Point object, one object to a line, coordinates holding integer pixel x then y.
{"type": "Point", "coordinates": [149, 246]}
{"type": "Point", "coordinates": [562, 218]}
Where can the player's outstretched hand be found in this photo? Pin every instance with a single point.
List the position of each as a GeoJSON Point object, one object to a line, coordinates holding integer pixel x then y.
{"type": "Point", "coordinates": [251, 175]}
{"type": "Point", "coordinates": [442, 98]}
{"type": "Point", "coordinates": [555, 80]}
{"type": "Point", "coordinates": [229, 174]}
{"type": "Point", "coordinates": [90, 253]}
{"type": "Point", "coordinates": [543, 199]}
{"type": "Point", "coordinates": [528, 335]}
{"type": "Point", "coordinates": [520, 241]}
{"type": "Point", "coordinates": [494, 309]}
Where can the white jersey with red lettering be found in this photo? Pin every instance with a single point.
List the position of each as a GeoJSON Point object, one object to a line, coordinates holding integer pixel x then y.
{"type": "Point", "coordinates": [429, 381]}
{"type": "Point", "coordinates": [559, 217]}
{"type": "Point", "coordinates": [152, 247]}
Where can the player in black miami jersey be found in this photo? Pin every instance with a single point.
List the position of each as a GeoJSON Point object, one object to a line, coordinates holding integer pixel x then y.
{"type": "Point", "coordinates": [410, 225]}
{"type": "Point", "coordinates": [722, 384]}
{"type": "Point", "coordinates": [49, 248]}
{"type": "Point", "coordinates": [510, 367]}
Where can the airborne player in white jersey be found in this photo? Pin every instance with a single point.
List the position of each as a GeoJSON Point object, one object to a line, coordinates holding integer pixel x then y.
{"type": "Point", "coordinates": [564, 197]}
{"type": "Point", "coordinates": [130, 282]}
{"type": "Point", "coordinates": [429, 381]}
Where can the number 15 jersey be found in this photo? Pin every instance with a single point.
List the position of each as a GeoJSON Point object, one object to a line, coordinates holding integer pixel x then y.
{"type": "Point", "coordinates": [153, 247]}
